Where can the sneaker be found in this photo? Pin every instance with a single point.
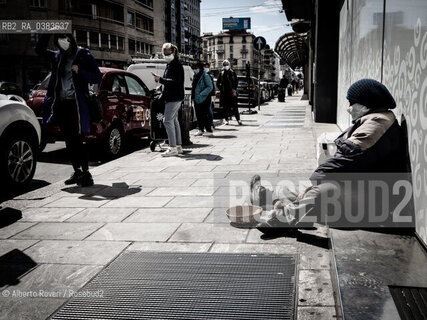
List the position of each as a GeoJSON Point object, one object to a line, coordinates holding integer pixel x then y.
{"type": "Point", "coordinates": [86, 180]}
{"type": "Point", "coordinates": [75, 177]}
{"type": "Point", "coordinates": [226, 122]}
{"type": "Point", "coordinates": [179, 149]}
{"type": "Point", "coordinates": [170, 152]}
{"type": "Point", "coordinates": [277, 221]}
{"type": "Point", "coordinates": [240, 123]}
{"type": "Point", "coordinates": [164, 145]}
{"type": "Point", "coordinates": [199, 133]}
{"type": "Point", "coordinates": [208, 134]}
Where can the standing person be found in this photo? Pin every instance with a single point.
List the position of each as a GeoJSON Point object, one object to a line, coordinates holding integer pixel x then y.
{"type": "Point", "coordinates": [227, 84]}
{"type": "Point", "coordinates": [210, 114]}
{"type": "Point", "coordinates": [173, 95]}
{"type": "Point", "coordinates": [201, 90]}
{"type": "Point", "coordinates": [66, 101]}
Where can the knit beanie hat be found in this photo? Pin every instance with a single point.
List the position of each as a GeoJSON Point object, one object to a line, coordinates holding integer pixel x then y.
{"type": "Point", "coordinates": [371, 93]}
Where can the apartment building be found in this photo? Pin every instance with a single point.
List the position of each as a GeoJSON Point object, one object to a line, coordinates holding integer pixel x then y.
{"type": "Point", "coordinates": [182, 27]}
{"type": "Point", "coordinates": [236, 46]}
{"type": "Point", "coordinates": [114, 30]}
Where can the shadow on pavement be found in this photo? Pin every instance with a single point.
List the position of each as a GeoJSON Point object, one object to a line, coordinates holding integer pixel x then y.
{"type": "Point", "coordinates": [99, 192]}
{"type": "Point", "coordinates": [9, 216]}
{"type": "Point", "coordinates": [13, 265]}
{"type": "Point", "coordinates": [199, 156]}
{"type": "Point", "coordinates": [229, 136]}
{"type": "Point", "coordinates": [303, 237]}
{"type": "Point", "coordinates": [10, 194]}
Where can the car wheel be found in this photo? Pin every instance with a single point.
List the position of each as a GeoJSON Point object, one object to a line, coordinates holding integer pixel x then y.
{"type": "Point", "coordinates": [18, 160]}
{"type": "Point", "coordinates": [114, 141]}
{"type": "Point", "coordinates": [42, 145]}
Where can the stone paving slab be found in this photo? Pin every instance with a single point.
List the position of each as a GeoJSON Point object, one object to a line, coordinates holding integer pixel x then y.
{"type": "Point", "coordinates": [49, 214]}
{"type": "Point", "coordinates": [104, 215]}
{"type": "Point", "coordinates": [177, 215]}
{"type": "Point", "coordinates": [135, 231]}
{"type": "Point", "coordinates": [75, 252]}
{"type": "Point", "coordinates": [59, 231]}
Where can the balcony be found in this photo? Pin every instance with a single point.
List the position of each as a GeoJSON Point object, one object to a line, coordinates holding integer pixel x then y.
{"type": "Point", "coordinates": [244, 51]}
{"type": "Point", "coordinates": [220, 49]}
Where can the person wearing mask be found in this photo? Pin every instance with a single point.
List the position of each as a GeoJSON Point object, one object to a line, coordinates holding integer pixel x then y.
{"type": "Point", "coordinates": [173, 95]}
{"type": "Point", "coordinates": [66, 101]}
{"type": "Point", "coordinates": [206, 68]}
{"type": "Point", "coordinates": [201, 91]}
{"type": "Point", "coordinates": [373, 144]}
{"type": "Point", "coordinates": [227, 84]}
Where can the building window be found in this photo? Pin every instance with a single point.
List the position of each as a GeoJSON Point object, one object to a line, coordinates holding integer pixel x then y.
{"type": "Point", "coordinates": [219, 40]}
{"type": "Point", "coordinates": [38, 3]}
{"type": "Point", "coordinates": [243, 39]}
{"type": "Point", "coordinates": [131, 18]}
{"type": "Point", "coordinates": [145, 3]}
{"type": "Point", "coordinates": [244, 64]}
{"type": "Point", "coordinates": [81, 38]}
{"type": "Point", "coordinates": [120, 43]}
{"type": "Point", "coordinates": [104, 41]}
{"type": "Point", "coordinates": [94, 39]}
{"type": "Point", "coordinates": [131, 45]}
{"type": "Point", "coordinates": [243, 55]}
{"type": "Point", "coordinates": [231, 55]}
{"type": "Point", "coordinates": [231, 49]}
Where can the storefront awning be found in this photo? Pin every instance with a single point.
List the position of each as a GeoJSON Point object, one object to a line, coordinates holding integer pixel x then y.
{"type": "Point", "coordinates": [293, 49]}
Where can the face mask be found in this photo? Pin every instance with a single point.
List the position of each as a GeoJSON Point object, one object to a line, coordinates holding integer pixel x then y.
{"type": "Point", "coordinates": [206, 70]}
{"type": "Point", "coordinates": [196, 71]}
{"type": "Point", "coordinates": [169, 58]}
{"type": "Point", "coordinates": [226, 67]}
{"type": "Point", "coordinates": [357, 110]}
{"type": "Point", "coordinates": [63, 43]}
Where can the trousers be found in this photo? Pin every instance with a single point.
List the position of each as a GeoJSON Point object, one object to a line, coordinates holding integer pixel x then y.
{"type": "Point", "coordinates": [171, 123]}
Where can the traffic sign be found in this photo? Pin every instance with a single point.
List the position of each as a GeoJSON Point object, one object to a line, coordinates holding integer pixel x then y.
{"type": "Point", "coordinates": [259, 43]}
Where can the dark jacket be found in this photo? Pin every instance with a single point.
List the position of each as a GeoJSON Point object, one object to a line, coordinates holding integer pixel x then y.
{"type": "Point", "coordinates": [374, 144]}
{"type": "Point", "coordinates": [173, 81]}
{"type": "Point", "coordinates": [88, 73]}
{"type": "Point", "coordinates": [227, 81]}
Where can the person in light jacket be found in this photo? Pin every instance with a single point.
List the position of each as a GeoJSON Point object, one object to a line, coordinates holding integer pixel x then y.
{"type": "Point", "coordinates": [201, 93]}
{"type": "Point", "coordinates": [173, 95]}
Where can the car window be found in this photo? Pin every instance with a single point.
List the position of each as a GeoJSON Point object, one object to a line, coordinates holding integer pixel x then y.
{"type": "Point", "coordinates": [134, 87]}
{"type": "Point", "coordinates": [119, 82]}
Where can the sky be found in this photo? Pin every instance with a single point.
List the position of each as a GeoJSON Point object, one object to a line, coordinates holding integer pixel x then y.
{"type": "Point", "coordinates": [267, 20]}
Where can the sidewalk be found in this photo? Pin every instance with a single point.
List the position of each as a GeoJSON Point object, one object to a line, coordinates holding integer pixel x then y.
{"type": "Point", "coordinates": [146, 202]}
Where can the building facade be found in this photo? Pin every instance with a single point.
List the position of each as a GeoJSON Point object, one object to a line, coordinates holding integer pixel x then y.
{"type": "Point", "coordinates": [182, 27]}
{"type": "Point", "coordinates": [235, 46]}
{"type": "Point", "coordinates": [114, 31]}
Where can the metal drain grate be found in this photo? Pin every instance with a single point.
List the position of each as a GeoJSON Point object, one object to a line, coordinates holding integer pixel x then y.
{"type": "Point", "coordinates": [411, 302]}
{"type": "Point", "coordinates": [146, 285]}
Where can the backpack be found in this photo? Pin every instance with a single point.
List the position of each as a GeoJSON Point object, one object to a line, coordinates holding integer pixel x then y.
{"type": "Point", "coordinates": [213, 92]}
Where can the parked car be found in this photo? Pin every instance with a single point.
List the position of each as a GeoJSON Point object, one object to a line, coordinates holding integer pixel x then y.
{"type": "Point", "coordinates": [143, 71]}
{"type": "Point", "coordinates": [247, 91]}
{"type": "Point", "coordinates": [20, 135]}
{"type": "Point", "coordinates": [10, 88]}
{"type": "Point", "coordinates": [123, 101]}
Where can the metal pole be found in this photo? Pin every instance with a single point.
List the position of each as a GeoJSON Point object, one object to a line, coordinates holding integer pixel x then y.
{"type": "Point", "coordinates": [259, 78]}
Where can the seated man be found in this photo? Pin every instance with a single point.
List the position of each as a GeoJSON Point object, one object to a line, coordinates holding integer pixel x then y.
{"type": "Point", "coordinates": [373, 144]}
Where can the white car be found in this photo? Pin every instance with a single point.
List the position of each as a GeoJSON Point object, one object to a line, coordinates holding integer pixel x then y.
{"type": "Point", "coordinates": [20, 136]}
